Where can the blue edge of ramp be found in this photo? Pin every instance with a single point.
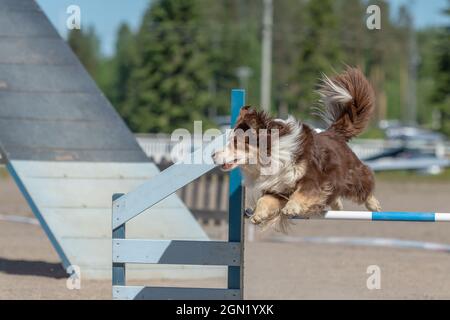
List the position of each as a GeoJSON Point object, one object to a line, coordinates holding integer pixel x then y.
{"type": "Point", "coordinates": [59, 250]}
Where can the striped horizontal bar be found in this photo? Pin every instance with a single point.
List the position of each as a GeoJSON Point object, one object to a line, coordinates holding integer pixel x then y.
{"type": "Point", "coordinates": [382, 216]}
{"type": "Point", "coordinates": [388, 216]}
{"type": "Point", "coordinates": [220, 253]}
{"type": "Point", "coordinates": [169, 293]}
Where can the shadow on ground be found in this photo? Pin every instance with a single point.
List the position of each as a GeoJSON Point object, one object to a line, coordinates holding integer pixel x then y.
{"type": "Point", "coordinates": [32, 268]}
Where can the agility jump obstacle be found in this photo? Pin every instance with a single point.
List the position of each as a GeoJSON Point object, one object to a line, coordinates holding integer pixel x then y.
{"type": "Point", "coordinates": [218, 253]}
{"type": "Point", "coordinates": [215, 253]}
{"type": "Point", "coordinates": [385, 216]}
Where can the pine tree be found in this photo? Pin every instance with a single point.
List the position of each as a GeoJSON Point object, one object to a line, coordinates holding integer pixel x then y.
{"type": "Point", "coordinates": [234, 32]}
{"type": "Point", "coordinates": [404, 38]}
{"type": "Point", "coordinates": [352, 31]}
{"type": "Point", "coordinates": [318, 52]}
{"type": "Point", "coordinates": [441, 93]}
{"type": "Point", "coordinates": [288, 35]}
{"type": "Point", "coordinates": [378, 53]}
{"type": "Point", "coordinates": [125, 62]}
{"type": "Point", "coordinates": [86, 46]}
{"type": "Point", "coordinates": [170, 86]}
{"type": "Point", "coordinates": [222, 22]}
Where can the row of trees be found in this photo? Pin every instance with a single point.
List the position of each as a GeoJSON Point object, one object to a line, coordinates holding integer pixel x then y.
{"type": "Point", "coordinates": [187, 54]}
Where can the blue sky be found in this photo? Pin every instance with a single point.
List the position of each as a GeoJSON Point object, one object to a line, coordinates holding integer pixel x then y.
{"type": "Point", "coordinates": [107, 15]}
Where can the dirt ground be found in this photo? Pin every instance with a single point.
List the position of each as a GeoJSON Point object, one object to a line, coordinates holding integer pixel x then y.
{"type": "Point", "coordinates": [29, 267]}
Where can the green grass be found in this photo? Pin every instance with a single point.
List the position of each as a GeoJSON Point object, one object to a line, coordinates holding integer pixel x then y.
{"type": "Point", "coordinates": [413, 176]}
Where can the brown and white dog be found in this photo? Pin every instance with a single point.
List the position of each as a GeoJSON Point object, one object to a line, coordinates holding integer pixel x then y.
{"type": "Point", "coordinates": [306, 171]}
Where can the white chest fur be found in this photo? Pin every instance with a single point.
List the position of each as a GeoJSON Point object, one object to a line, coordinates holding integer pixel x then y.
{"type": "Point", "coordinates": [284, 173]}
{"type": "Point", "coordinates": [284, 181]}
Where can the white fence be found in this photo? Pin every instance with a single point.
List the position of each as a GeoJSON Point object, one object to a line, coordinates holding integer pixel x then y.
{"type": "Point", "coordinates": [207, 197]}
{"type": "Point", "coordinates": [159, 146]}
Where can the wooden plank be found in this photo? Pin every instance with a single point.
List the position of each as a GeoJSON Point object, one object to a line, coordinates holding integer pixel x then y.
{"type": "Point", "coordinates": [76, 106]}
{"type": "Point", "coordinates": [58, 78]}
{"type": "Point", "coordinates": [167, 182]}
{"type": "Point", "coordinates": [189, 198]}
{"type": "Point", "coordinates": [224, 193]}
{"type": "Point", "coordinates": [168, 293]}
{"type": "Point", "coordinates": [200, 195]}
{"type": "Point", "coordinates": [62, 134]}
{"type": "Point", "coordinates": [19, 5]}
{"type": "Point", "coordinates": [25, 23]}
{"type": "Point", "coordinates": [85, 193]}
{"type": "Point", "coordinates": [156, 271]}
{"type": "Point", "coordinates": [213, 192]}
{"type": "Point", "coordinates": [176, 252]}
{"type": "Point", "coordinates": [97, 253]}
{"type": "Point", "coordinates": [87, 185]}
{"type": "Point", "coordinates": [216, 216]}
{"type": "Point", "coordinates": [36, 51]}
{"type": "Point", "coordinates": [96, 223]}
{"type": "Point", "coordinates": [55, 154]}
{"type": "Point", "coordinates": [86, 170]}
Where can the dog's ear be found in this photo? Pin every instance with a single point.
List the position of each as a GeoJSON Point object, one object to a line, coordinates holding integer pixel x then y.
{"type": "Point", "coordinates": [254, 122]}
{"type": "Point", "coordinates": [246, 113]}
{"type": "Point", "coordinates": [249, 117]}
{"type": "Point", "coordinates": [245, 110]}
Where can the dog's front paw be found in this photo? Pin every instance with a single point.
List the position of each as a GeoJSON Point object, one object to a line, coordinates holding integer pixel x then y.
{"type": "Point", "coordinates": [256, 219]}
{"type": "Point", "coordinates": [263, 215]}
{"type": "Point", "coordinates": [292, 209]}
{"type": "Point", "coordinates": [264, 211]}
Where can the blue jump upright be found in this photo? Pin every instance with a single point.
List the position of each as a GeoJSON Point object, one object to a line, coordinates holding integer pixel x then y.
{"type": "Point", "coordinates": [236, 199]}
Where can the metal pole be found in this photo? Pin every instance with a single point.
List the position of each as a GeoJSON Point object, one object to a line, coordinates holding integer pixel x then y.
{"type": "Point", "coordinates": [266, 64]}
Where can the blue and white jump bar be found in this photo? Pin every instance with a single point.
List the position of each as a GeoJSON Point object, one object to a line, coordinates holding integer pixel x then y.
{"type": "Point", "coordinates": [386, 216]}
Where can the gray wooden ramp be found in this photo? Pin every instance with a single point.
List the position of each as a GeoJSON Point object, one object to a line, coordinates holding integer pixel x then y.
{"type": "Point", "coordinates": [69, 151]}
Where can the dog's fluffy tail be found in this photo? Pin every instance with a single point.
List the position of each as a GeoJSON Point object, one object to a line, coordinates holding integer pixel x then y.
{"type": "Point", "coordinates": [348, 101]}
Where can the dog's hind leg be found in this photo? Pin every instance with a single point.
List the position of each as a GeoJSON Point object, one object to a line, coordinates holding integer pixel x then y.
{"type": "Point", "coordinates": [372, 204]}
{"type": "Point", "coordinates": [336, 204]}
